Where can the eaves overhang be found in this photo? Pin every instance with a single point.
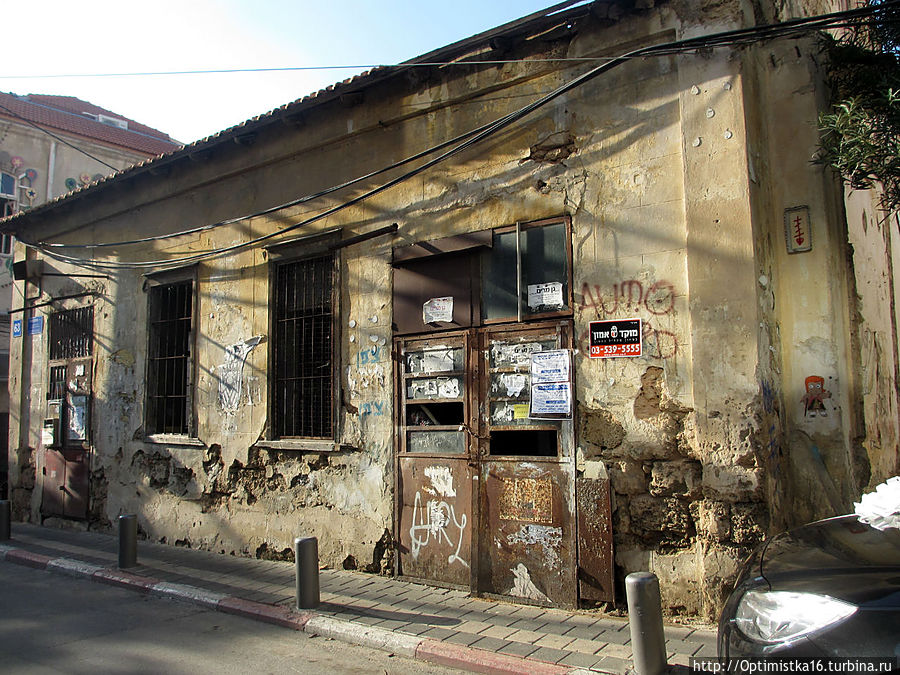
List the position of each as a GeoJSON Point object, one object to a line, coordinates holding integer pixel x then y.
{"type": "Point", "coordinates": [500, 38]}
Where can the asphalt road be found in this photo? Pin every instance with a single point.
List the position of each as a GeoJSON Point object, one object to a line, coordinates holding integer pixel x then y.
{"type": "Point", "coordinates": [50, 623]}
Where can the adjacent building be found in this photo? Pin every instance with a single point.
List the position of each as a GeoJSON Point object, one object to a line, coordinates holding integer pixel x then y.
{"type": "Point", "coordinates": [514, 316]}
{"type": "Point", "coordinates": [50, 146]}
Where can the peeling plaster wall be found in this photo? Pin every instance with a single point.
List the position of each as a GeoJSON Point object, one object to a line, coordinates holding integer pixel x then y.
{"type": "Point", "coordinates": [874, 237]}
{"type": "Point", "coordinates": [675, 171]}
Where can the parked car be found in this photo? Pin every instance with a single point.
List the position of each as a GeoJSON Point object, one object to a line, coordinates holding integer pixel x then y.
{"type": "Point", "coordinates": [830, 588]}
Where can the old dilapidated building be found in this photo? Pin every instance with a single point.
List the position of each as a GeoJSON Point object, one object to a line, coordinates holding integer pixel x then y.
{"type": "Point", "coordinates": [523, 322]}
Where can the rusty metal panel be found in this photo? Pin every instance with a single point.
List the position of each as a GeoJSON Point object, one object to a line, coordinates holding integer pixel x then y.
{"type": "Point", "coordinates": [65, 483]}
{"type": "Point", "coordinates": [596, 564]}
{"type": "Point", "coordinates": [53, 481]}
{"type": "Point", "coordinates": [454, 275]}
{"type": "Point", "coordinates": [435, 520]}
{"type": "Point", "coordinates": [77, 483]}
{"type": "Point", "coordinates": [527, 531]}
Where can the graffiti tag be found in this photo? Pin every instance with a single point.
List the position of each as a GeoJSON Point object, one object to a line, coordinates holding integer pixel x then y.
{"type": "Point", "coordinates": [658, 299]}
{"type": "Point", "coordinates": [433, 524]}
{"type": "Point", "coordinates": [375, 409]}
{"type": "Point", "coordinates": [631, 296]}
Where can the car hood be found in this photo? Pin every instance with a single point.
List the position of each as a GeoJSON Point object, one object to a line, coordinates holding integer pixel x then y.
{"type": "Point", "coordinates": [840, 557]}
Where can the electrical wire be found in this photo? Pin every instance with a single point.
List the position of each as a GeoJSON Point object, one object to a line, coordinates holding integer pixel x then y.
{"type": "Point", "coordinates": [726, 38]}
{"type": "Point", "coordinates": [287, 69]}
{"type": "Point", "coordinates": [280, 207]}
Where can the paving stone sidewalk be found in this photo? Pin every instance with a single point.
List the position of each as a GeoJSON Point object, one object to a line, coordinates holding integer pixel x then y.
{"type": "Point", "coordinates": [356, 604]}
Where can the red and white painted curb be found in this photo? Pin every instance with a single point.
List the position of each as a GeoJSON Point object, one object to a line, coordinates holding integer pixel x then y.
{"type": "Point", "coordinates": [470, 659]}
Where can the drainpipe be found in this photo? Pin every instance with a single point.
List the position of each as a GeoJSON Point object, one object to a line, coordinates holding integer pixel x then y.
{"type": "Point", "coordinates": [51, 165]}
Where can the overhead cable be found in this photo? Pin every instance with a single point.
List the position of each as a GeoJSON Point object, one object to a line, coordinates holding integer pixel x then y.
{"type": "Point", "coordinates": [468, 140]}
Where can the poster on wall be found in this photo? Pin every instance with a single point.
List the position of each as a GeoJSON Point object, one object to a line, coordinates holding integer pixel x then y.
{"type": "Point", "coordinates": [546, 295]}
{"type": "Point", "coordinates": [551, 384]}
{"type": "Point", "coordinates": [619, 337]}
{"type": "Point", "coordinates": [438, 310]}
{"type": "Point", "coordinates": [77, 408]}
{"type": "Point", "coordinates": [551, 399]}
{"type": "Point", "coordinates": [550, 366]}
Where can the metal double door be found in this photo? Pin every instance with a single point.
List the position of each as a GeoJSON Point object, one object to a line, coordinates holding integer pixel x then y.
{"type": "Point", "coordinates": [485, 494]}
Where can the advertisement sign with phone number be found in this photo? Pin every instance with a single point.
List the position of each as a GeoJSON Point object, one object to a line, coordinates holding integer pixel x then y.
{"type": "Point", "coordinates": [619, 337]}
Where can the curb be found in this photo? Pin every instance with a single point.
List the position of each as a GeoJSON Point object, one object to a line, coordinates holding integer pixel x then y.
{"type": "Point", "coordinates": [198, 596]}
{"type": "Point", "coordinates": [428, 650]}
{"type": "Point", "coordinates": [477, 660]}
{"type": "Point", "coordinates": [366, 636]}
{"type": "Point", "coordinates": [280, 616]}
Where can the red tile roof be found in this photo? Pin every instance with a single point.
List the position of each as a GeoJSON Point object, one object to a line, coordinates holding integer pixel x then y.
{"type": "Point", "coordinates": [67, 114]}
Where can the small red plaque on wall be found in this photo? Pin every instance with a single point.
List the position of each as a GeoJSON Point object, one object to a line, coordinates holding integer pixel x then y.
{"type": "Point", "coordinates": [797, 229]}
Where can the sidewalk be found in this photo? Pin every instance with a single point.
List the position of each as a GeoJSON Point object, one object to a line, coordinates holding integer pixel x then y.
{"type": "Point", "coordinates": [429, 624]}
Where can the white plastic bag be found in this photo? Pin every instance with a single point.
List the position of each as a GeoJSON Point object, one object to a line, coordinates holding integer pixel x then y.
{"type": "Point", "coordinates": [881, 509]}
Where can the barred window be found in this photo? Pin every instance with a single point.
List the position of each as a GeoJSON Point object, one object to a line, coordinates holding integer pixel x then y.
{"type": "Point", "coordinates": [303, 348]}
{"type": "Point", "coordinates": [72, 333]}
{"type": "Point", "coordinates": [169, 358]}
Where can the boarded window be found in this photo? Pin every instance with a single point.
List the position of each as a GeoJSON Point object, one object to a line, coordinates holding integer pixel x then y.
{"type": "Point", "coordinates": [169, 366]}
{"type": "Point", "coordinates": [303, 348]}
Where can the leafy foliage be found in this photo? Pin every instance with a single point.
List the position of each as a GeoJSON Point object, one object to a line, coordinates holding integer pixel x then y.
{"type": "Point", "coordinates": [861, 134]}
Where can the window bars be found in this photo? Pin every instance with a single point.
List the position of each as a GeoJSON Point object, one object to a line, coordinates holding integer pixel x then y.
{"type": "Point", "coordinates": [72, 333]}
{"type": "Point", "coordinates": [169, 358]}
{"type": "Point", "coordinates": [303, 327]}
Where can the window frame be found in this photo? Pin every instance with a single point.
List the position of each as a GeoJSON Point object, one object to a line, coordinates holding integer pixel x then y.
{"type": "Point", "coordinates": [9, 201]}
{"type": "Point", "coordinates": [158, 281]}
{"type": "Point", "coordinates": [521, 316]}
{"type": "Point", "coordinates": [7, 245]}
{"type": "Point", "coordinates": [70, 358]}
{"type": "Point", "coordinates": [318, 246]}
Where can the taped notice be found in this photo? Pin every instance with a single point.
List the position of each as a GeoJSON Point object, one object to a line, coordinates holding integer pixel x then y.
{"type": "Point", "coordinates": [545, 295]}
{"type": "Point", "coordinates": [514, 384]}
{"type": "Point", "coordinates": [438, 310]}
{"type": "Point", "coordinates": [551, 399]}
{"type": "Point", "coordinates": [550, 366]}
{"type": "Point", "coordinates": [520, 411]}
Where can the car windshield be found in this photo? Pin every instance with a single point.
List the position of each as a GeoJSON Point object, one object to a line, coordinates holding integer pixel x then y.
{"type": "Point", "coordinates": [837, 543]}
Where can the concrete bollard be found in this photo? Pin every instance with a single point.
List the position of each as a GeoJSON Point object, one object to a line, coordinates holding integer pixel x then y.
{"type": "Point", "coordinates": [4, 520]}
{"type": "Point", "coordinates": [648, 641]}
{"type": "Point", "coordinates": [306, 567]}
{"type": "Point", "coordinates": [127, 541]}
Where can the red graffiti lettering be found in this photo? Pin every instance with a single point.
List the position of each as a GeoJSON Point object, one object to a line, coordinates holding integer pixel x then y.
{"type": "Point", "coordinates": [660, 298]}
{"type": "Point", "coordinates": [629, 295]}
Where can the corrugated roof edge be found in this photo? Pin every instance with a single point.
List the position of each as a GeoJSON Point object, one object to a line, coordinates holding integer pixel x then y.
{"type": "Point", "coordinates": [558, 12]}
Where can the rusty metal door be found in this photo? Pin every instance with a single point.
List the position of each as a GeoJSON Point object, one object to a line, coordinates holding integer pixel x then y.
{"type": "Point", "coordinates": [434, 467]}
{"type": "Point", "coordinates": [66, 474]}
{"type": "Point", "coordinates": [66, 438]}
{"type": "Point", "coordinates": [526, 532]}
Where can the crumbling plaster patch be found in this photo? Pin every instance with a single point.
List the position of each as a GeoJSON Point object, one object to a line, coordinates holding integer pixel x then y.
{"type": "Point", "coordinates": [686, 488]}
{"type": "Point", "coordinates": [259, 505]}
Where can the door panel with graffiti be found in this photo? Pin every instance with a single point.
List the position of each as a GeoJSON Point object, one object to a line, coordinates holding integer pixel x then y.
{"type": "Point", "coordinates": [434, 461]}
{"type": "Point", "coordinates": [526, 534]}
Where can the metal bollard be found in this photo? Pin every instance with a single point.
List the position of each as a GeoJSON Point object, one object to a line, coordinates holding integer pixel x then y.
{"type": "Point", "coordinates": [648, 641]}
{"type": "Point", "coordinates": [4, 520]}
{"type": "Point", "coordinates": [127, 541]}
{"type": "Point", "coordinates": [306, 567]}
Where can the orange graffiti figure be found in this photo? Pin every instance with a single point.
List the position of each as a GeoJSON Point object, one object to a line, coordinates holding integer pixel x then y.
{"type": "Point", "coordinates": [816, 393]}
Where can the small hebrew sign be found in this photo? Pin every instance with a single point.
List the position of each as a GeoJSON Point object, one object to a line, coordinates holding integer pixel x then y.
{"type": "Point", "coordinates": [438, 310]}
{"type": "Point", "coordinates": [797, 229]}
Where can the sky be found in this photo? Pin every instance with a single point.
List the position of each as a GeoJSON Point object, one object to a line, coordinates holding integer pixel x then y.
{"type": "Point", "coordinates": [86, 38]}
